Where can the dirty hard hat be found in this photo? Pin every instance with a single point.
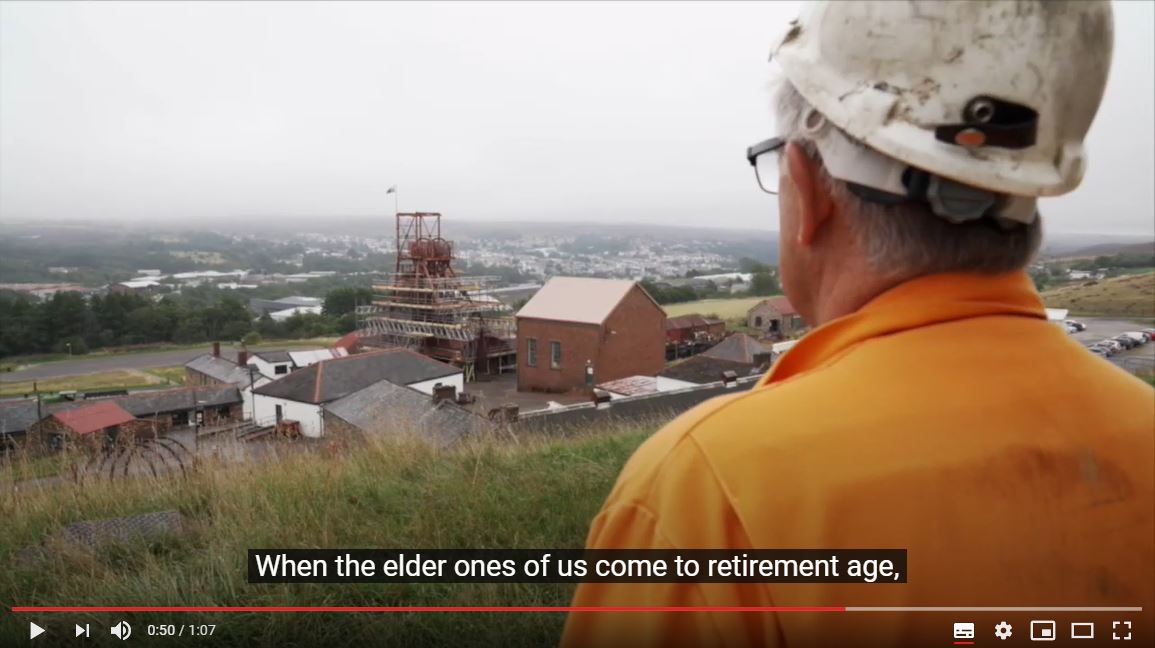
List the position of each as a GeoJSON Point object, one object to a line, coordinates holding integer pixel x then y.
{"type": "Point", "coordinates": [995, 96]}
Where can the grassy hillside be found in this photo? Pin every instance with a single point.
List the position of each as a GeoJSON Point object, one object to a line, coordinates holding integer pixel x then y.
{"type": "Point", "coordinates": [1131, 296]}
{"type": "Point", "coordinates": [723, 308]}
{"type": "Point", "coordinates": [538, 493]}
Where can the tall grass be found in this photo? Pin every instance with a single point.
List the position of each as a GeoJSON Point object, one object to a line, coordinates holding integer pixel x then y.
{"type": "Point", "coordinates": [538, 493]}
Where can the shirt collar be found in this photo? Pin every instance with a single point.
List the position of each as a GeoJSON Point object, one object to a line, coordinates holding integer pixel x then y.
{"type": "Point", "coordinates": [919, 302]}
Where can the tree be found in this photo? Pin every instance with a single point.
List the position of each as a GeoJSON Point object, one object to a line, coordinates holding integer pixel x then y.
{"type": "Point", "coordinates": [763, 284]}
{"type": "Point", "coordinates": [340, 301]}
{"type": "Point", "coordinates": [252, 338]}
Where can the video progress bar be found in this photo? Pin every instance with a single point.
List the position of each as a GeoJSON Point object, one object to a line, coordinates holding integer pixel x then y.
{"type": "Point", "coordinates": [566, 609]}
{"type": "Point", "coordinates": [860, 608]}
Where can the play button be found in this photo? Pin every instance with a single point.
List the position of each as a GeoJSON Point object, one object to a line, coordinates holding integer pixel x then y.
{"type": "Point", "coordinates": [34, 630]}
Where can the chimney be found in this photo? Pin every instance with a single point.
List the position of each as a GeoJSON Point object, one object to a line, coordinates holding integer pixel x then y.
{"type": "Point", "coordinates": [601, 399]}
{"type": "Point", "coordinates": [506, 413]}
{"type": "Point", "coordinates": [243, 357]}
{"type": "Point", "coordinates": [444, 392]}
{"type": "Point", "coordinates": [729, 378]}
{"type": "Point", "coordinates": [216, 349]}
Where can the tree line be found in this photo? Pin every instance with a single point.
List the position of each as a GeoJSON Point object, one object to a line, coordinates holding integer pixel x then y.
{"type": "Point", "coordinates": [69, 322]}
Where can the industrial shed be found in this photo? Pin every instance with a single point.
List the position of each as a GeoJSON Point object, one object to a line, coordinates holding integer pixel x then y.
{"type": "Point", "coordinates": [577, 332]}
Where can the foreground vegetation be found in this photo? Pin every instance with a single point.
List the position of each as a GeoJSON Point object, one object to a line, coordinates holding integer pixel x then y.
{"type": "Point", "coordinates": [1129, 296]}
{"type": "Point", "coordinates": [539, 493]}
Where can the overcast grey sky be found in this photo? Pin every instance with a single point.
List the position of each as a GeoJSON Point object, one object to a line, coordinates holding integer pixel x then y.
{"type": "Point", "coordinates": [552, 112]}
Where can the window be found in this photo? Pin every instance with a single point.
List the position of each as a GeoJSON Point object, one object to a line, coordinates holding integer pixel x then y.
{"type": "Point", "coordinates": [281, 369]}
{"type": "Point", "coordinates": [758, 322]}
{"type": "Point", "coordinates": [555, 355]}
{"type": "Point", "coordinates": [531, 352]}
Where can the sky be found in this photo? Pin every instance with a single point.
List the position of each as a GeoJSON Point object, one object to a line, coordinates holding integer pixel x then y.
{"type": "Point", "coordinates": [591, 112]}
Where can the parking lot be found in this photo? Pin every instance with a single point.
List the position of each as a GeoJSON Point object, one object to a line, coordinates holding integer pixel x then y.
{"type": "Point", "coordinates": [1102, 328]}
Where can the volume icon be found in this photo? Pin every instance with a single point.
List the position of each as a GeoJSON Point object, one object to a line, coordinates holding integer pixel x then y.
{"type": "Point", "coordinates": [121, 630]}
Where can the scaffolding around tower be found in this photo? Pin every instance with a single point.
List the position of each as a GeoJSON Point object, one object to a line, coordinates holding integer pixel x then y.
{"type": "Point", "coordinates": [425, 306]}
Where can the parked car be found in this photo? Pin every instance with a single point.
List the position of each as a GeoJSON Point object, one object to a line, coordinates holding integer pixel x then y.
{"type": "Point", "coordinates": [1079, 326]}
{"type": "Point", "coordinates": [1138, 336]}
{"type": "Point", "coordinates": [1127, 342]}
{"type": "Point", "coordinates": [1114, 345]}
{"type": "Point", "coordinates": [1071, 329]}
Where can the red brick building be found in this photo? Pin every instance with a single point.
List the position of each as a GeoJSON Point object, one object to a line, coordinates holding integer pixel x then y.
{"type": "Point", "coordinates": [577, 332]}
{"type": "Point", "coordinates": [694, 327]}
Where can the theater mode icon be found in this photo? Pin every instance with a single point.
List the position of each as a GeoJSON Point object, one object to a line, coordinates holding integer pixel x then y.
{"type": "Point", "coordinates": [1082, 630]}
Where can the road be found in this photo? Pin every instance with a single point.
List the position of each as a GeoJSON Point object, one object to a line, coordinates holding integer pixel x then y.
{"type": "Point", "coordinates": [82, 366]}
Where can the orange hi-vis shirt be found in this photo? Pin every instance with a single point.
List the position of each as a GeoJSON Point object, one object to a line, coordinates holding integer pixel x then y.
{"type": "Point", "coordinates": [946, 417]}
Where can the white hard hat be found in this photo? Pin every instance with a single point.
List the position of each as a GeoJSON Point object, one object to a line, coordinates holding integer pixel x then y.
{"type": "Point", "coordinates": [996, 96]}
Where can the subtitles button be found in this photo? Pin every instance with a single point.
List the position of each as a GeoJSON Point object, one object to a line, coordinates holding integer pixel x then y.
{"type": "Point", "coordinates": [964, 631]}
{"type": "Point", "coordinates": [1043, 630]}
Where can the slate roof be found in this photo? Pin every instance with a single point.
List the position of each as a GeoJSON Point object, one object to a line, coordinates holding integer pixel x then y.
{"type": "Point", "coordinates": [739, 347]}
{"type": "Point", "coordinates": [220, 369]}
{"type": "Point", "coordinates": [94, 417]}
{"type": "Point", "coordinates": [18, 416]}
{"type": "Point", "coordinates": [327, 381]}
{"type": "Point", "coordinates": [585, 300]}
{"type": "Point", "coordinates": [386, 408]}
{"type": "Point", "coordinates": [274, 357]}
{"type": "Point", "coordinates": [702, 369]}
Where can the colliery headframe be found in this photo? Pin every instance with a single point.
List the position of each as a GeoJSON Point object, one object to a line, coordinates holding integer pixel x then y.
{"type": "Point", "coordinates": [425, 306]}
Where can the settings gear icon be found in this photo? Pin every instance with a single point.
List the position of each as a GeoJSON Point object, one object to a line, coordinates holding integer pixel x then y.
{"type": "Point", "coordinates": [1003, 630]}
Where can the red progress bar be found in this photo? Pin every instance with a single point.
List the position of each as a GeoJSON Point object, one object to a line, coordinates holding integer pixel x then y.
{"type": "Point", "coordinates": [423, 608]}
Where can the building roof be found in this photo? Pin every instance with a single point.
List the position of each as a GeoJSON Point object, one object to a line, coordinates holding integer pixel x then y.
{"type": "Point", "coordinates": [739, 347]}
{"type": "Point", "coordinates": [142, 283]}
{"type": "Point", "coordinates": [329, 380]}
{"type": "Point", "coordinates": [220, 369]}
{"type": "Point", "coordinates": [386, 408]}
{"type": "Point", "coordinates": [632, 386]}
{"type": "Point", "coordinates": [780, 303]}
{"type": "Point", "coordinates": [284, 314]}
{"type": "Point", "coordinates": [585, 300]}
{"type": "Point", "coordinates": [348, 342]}
{"type": "Point", "coordinates": [279, 355]}
{"type": "Point", "coordinates": [148, 403]}
{"type": "Point", "coordinates": [94, 417]}
{"type": "Point", "coordinates": [17, 416]}
{"type": "Point", "coordinates": [690, 321]}
{"type": "Point", "coordinates": [306, 358]}
{"type": "Point", "coordinates": [702, 369]}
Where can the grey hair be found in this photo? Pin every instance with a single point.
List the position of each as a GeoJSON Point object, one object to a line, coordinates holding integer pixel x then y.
{"type": "Point", "coordinates": [908, 240]}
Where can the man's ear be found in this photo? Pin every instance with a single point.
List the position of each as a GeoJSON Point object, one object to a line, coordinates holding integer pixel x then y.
{"type": "Point", "coordinates": [814, 205]}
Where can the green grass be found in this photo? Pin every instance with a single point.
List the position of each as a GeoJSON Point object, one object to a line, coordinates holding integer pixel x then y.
{"type": "Point", "coordinates": [172, 375]}
{"type": "Point", "coordinates": [1129, 296]}
{"type": "Point", "coordinates": [539, 493]}
{"type": "Point", "coordinates": [16, 362]}
{"type": "Point", "coordinates": [119, 379]}
{"type": "Point", "coordinates": [722, 308]}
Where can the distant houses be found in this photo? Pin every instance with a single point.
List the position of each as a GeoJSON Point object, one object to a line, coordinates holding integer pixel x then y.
{"type": "Point", "coordinates": [576, 332]}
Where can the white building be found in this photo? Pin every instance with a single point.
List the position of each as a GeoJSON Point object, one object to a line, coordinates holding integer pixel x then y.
{"type": "Point", "coordinates": [302, 395]}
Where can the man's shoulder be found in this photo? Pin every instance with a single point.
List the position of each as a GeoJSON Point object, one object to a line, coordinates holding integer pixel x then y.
{"type": "Point", "coordinates": [734, 419]}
